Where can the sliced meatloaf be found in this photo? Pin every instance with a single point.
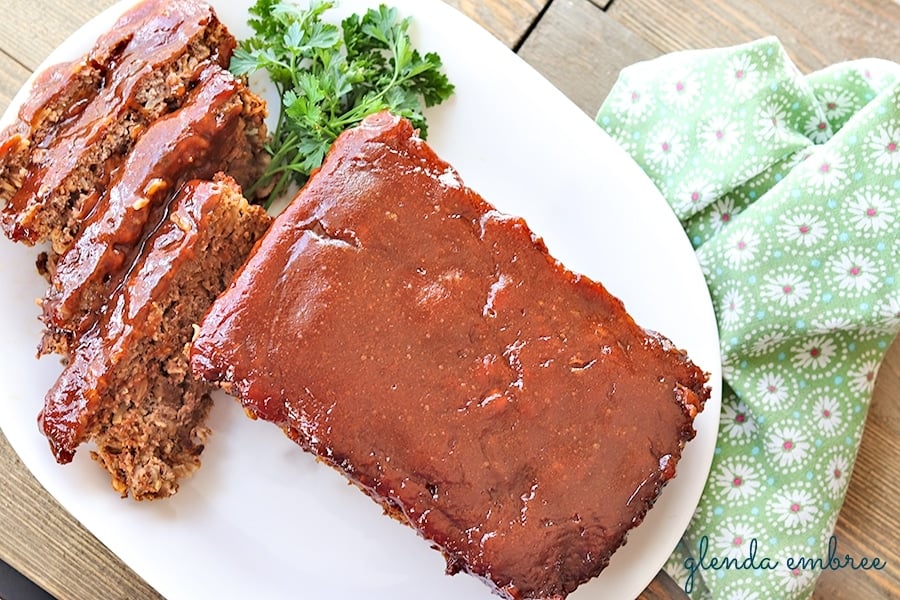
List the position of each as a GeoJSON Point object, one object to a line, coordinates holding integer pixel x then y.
{"type": "Point", "coordinates": [219, 128]}
{"type": "Point", "coordinates": [110, 165]}
{"type": "Point", "coordinates": [61, 92]}
{"type": "Point", "coordinates": [83, 118]}
{"type": "Point", "coordinates": [127, 385]}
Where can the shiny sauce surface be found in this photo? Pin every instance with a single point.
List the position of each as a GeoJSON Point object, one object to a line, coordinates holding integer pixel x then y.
{"type": "Point", "coordinates": [154, 37]}
{"type": "Point", "coordinates": [128, 321]}
{"type": "Point", "coordinates": [427, 346]}
{"type": "Point", "coordinates": [189, 143]}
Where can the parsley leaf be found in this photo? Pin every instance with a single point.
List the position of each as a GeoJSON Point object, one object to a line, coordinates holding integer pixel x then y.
{"type": "Point", "coordinates": [331, 77]}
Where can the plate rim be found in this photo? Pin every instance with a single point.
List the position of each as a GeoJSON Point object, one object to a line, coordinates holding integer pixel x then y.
{"type": "Point", "coordinates": [80, 40]}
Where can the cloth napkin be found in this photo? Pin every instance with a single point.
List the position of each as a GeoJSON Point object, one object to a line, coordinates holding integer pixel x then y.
{"type": "Point", "coordinates": [789, 189]}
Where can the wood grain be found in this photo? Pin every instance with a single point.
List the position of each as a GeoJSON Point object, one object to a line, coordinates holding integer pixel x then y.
{"type": "Point", "coordinates": [581, 50]}
{"type": "Point", "coordinates": [37, 27]}
{"type": "Point", "coordinates": [815, 33]}
{"type": "Point", "coordinates": [509, 20]}
{"type": "Point", "coordinates": [41, 540]}
{"type": "Point", "coordinates": [12, 75]}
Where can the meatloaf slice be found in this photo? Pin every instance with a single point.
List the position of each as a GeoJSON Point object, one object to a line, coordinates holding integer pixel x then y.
{"type": "Point", "coordinates": [51, 184]}
{"type": "Point", "coordinates": [430, 349]}
{"type": "Point", "coordinates": [60, 93]}
{"type": "Point", "coordinates": [220, 127]}
{"type": "Point", "coordinates": [127, 384]}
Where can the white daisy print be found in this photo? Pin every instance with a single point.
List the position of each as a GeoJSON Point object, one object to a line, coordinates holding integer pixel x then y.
{"type": "Point", "coordinates": [719, 135]}
{"type": "Point", "coordinates": [883, 145]}
{"type": "Point", "coordinates": [741, 75]}
{"type": "Point", "coordinates": [772, 390]}
{"type": "Point", "coordinates": [633, 103]}
{"type": "Point", "coordinates": [694, 193]}
{"type": "Point", "coordinates": [814, 353]}
{"type": "Point", "coordinates": [888, 314]}
{"type": "Point", "coordinates": [737, 422]}
{"type": "Point", "coordinates": [787, 288]}
{"type": "Point", "coordinates": [826, 414]}
{"type": "Point", "coordinates": [742, 247]}
{"type": "Point", "coordinates": [817, 129]}
{"type": "Point", "coordinates": [828, 171]}
{"type": "Point", "coordinates": [870, 211]}
{"type": "Point", "coordinates": [837, 103]}
{"type": "Point", "coordinates": [862, 378]}
{"type": "Point", "coordinates": [853, 272]}
{"type": "Point", "coordinates": [722, 213]}
{"type": "Point", "coordinates": [733, 538]}
{"type": "Point", "coordinates": [771, 121]}
{"type": "Point", "coordinates": [788, 446]}
{"type": "Point", "coordinates": [796, 582]}
{"type": "Point", "coordinates": [805, 229]}
{"type": "Point", "coordinates": [729, 369]}
{"type": "Point", "coordinates": [830, 324]}
{"type": "Point", "coordinates": [837, 473]}
{"type": "Point", "coordinates": [737, 479]}
{"type": "Point", "coordinates": [682, 89]}
{"type": "Point", "coordinates": [741, 594]}
{"type": "Point", "coordinates": [665, 148]}
{"type": "Point", "coordinates": [732, 308]}
{"type": "Point", "coordinates": [796, 158]}
{"type": "Point", "coordinates": [794, 508]}
{"type": "Point", "coordinates": [623, 137]}
{"type": "Point", "coordinates": [768, 341]}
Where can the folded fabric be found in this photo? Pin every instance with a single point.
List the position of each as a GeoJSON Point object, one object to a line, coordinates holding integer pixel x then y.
{"type": "Point", "coordinates": [789, 189]}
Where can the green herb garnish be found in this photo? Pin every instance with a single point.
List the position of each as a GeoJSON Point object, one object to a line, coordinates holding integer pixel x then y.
{"type": "Point", "coordinates": [330, 78]}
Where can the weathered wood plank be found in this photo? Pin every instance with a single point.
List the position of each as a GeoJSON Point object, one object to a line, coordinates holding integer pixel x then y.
{"type": "Point", "coordinates": [12, 75]}
{"type": "Point", "coordinates": [663, 588]}
{"type": "Point", "coordinates": [816, 33]}
{"type": "Point", "coordinates": [41, 540]}
{"type": "Point", "coordinates": [508, 20]}
{"type": "Point", "coordinates": [581, 50]}
{"type": "Point", "coordinates": [31, 29]}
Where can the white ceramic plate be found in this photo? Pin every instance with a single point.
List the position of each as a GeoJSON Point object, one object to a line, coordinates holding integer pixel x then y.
{"type": "Point", "coordinates": [262, 519]}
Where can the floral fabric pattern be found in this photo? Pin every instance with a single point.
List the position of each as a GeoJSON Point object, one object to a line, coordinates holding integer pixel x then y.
{"type": "Point", "coordinates": [789, 190]}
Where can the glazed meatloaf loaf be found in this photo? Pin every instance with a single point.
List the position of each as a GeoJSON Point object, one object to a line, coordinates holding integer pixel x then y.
{"type": "Point", "coordinates": [219, 128]}
{"type": "Point", "coordinates": [127, 385]}
{"type": "Point", "coordinates": [431, 350]}
{"type": "Point", "coordinates": [84, 117]}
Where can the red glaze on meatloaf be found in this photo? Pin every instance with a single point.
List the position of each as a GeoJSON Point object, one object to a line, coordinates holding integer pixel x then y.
{"type": "Point", "coordinates": [429, 348]}
{"type": "Point", "coordinates": [83, 118]}
{"type": "Point", "coordinates": [127, 384]}
{"type": "Point", "coordinates": [219, 128]}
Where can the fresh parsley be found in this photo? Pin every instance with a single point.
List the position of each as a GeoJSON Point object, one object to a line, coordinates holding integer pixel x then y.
{"type": "Point", "coordinates": [331, 77]}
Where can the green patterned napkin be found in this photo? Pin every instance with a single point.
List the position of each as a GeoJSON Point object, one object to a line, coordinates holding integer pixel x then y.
{"type": "Point", "coordinates": [789, 189]}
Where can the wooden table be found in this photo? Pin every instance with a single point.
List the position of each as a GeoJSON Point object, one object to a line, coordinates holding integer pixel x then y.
{"type": "Point", "coordinates": [579, 45]}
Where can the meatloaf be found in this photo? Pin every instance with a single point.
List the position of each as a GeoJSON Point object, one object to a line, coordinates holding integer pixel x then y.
{"type": "Point", "coordinates": [127, 385]}
{"type": "Point", "coordinates": [84, 117]}
{"type": "Point", "coordinates": [96, 168]}
{"type": "Point", "coordinates": [397, 326]}
{"type": "Point", "coordinates": [219, 128]}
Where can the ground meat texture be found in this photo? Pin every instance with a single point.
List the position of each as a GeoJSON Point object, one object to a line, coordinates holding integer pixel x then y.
{"type": "Point", "coordinates": [60, 94]}
{"type": "Point", "coordinates": [127, 385]}
{"type": "Point", "coordinates": [219, 128]}
{"type": "Point", "coordinates": [72, 136]}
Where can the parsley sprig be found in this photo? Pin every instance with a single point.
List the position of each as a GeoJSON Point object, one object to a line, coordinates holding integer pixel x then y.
{"type": "Point", "coordinates": [331, 77]}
